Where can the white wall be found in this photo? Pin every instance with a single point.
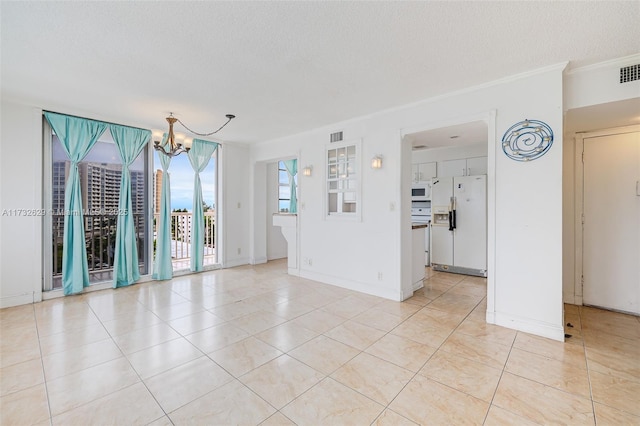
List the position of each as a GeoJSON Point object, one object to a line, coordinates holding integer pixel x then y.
{"type": "Point", "coordinates": [525, 284]}
{"type": "Point", "coordinates": [276, 243]}
{"type": "Point", "coordinates": [236, 201]}
{"type": "Point", "coordinates": [20, 188]}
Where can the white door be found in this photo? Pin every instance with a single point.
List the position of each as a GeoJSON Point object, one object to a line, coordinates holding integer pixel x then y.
{"type": "Point", "coordinates": [470, 239]}
{"type": "Point", "coordinates": [611, 236]}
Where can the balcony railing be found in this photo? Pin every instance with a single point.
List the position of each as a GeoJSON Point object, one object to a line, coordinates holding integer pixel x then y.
{"type": "Point", "coordinates": [181, 224]}
{"type": "Point", "coordinates": [100, 238]}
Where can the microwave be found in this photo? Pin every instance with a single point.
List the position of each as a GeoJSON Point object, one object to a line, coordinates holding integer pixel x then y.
{"type": "Point", "coordinates": [421, 191]}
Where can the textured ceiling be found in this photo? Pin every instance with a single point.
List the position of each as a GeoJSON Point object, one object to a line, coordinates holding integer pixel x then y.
{"type": "Point", "coordinates": [286, 67]}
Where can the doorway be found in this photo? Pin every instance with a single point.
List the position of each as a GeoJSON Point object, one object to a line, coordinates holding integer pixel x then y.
{"type": "Point", "coordinates": [611, 219]}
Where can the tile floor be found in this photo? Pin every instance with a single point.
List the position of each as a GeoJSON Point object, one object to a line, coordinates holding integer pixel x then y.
{"type": "Point", "coordinates": [252, 345]}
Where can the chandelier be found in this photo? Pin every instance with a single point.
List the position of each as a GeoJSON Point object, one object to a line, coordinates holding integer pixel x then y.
{"type": "Point", "coordinates": [176, 148]}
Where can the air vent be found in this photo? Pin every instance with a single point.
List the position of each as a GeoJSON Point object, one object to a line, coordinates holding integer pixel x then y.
{"type": "Point", "coordinates": [630, 73]}
{"type": "Point", "coordinates": [335, 137]}
{"type": "Point", "coordinates": [416, 147]}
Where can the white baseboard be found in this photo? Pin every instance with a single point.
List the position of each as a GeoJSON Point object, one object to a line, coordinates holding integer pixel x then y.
{"type": "Point", "coordinates": [366, 288]}
{"type": "Point", "coordinates": [16, 300]}
{"type": "Point", "coordinates": [235, 262]}
{"type": "Point", "coordinates": [418, 285]}
{"type": "Point", "coordinates": [539, 328]}
{"type": "Point", "coordinates": [258, 260]}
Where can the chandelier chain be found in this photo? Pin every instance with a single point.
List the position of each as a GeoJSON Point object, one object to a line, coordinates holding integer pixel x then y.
{"type": "Point", "coordinates": [204, 134]}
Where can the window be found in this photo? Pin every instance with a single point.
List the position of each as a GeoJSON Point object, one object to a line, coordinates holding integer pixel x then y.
{"type": "Point", "coordinates": [100, 173]}
{"type": "Point", "coordinates": [284, 188]}
{"type": "Point", "coordinates": [342, 179]}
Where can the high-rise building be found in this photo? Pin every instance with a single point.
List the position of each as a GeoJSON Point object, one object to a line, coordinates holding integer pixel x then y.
{"type": "Point", "coordinates": [157, 185]}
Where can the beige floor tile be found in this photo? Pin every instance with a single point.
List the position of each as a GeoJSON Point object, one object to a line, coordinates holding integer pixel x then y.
{"type": "Point", "coordinates": [432, 289]}
{"type": "Point", "coordinates": [217, 337]}
{"type": "Point", "coordinates": [165, 356]}
{"type": "Point", "coordinates": [560, 351]}
{"type": "Point", "coordinates": [348, 307]}
{"type": "Point", "coordinates": [235, 310]}
{"type": "Point", "coordinates": [427, 402]}
{"type": "Point", "coordinates": [162, 421]}
{"type": "Point", "coordinates": [281, 380]}
{"type": "Point", "coordinates": [186, 382]}
{"type": "Point", "coordinates": [144, 338]}
{"type": "Point", "coordinates": [614, 323]}
{"type": "Point", "coordinates": [473, 378]}
{"type": "Point", "coordinates": [317, 299]}
{"type": "Point", "coordinates": [614, 363]}
{"type": "Point", "coordinates": [130, 322]}
{"type": "Point", "coordinates": [26, 407]}
{"type": "Point", "coordinates": [391, 418]}
{"type": "Point", "coordinates": [557, 374]}
{"type": "Point", "coordinates": [21, 376]}
{"type": "Point", "coordinates": [373, 377]}
{"type": "Point", "coordinates": [608, 416]}
{"type": "Point", "coordinates": [318, 321]}
{"type": "Point", "coordinates": [483, 351]}
{"type": "Point", "coordinates": [455, 303]}
{"type": "Point", "coordinates": [21, 354]}
{"type": "Point", "coordinates": [400, 351]}
{"type": "Point", "coordinates": [418, 299]}
{"type": "Point", "coordinates": [490, 332]}
{"type": "Point", "coordinates": [399, 309]}
{"type": "Point", "coordinates": [60, 320]}
{"type": "Point", "coordinates": [178, 310]}
{"type": "Point", "coordinates": [290, 309]}
{"type": "Point", "coordinates": [418, 330]}
{"type": "Point", "coordinates": [278, 419]}
{"type": "Point", "coordinates": [501, 417]}
{"type": "Point", "coordinates": [17, 316]}
{"type": "Point", "coordinates": [64, 341]}
{"type": "Point", "coordinates": [616, 392]}
{"type": "Point", "coordinates": [76, 389]}
{"type": "Point", "coordinates": [157, 297]}
{"type": "Point", "coordinates": [540, 403]}
{"type": "Point", "coordinates": [62, 363]}
{"type": "Point", "coordinates": [232, 403]}
{"type": "Point", "coordinates": [355, 334]}
{"type": "Point", "coordinates": [241, 357]}
{"type": "Point", "coordinates": [196, 322]}
{"type": "Point", "coordinates": [133, 405]}
{"type": "Point", "coordinates": [286, 336]}
{"type": "Point", "coordinates": [331, 403]}
{"type": "Point", "coordinates": [470, 288]}
{"type": "Point", "coordinates": [257, 322]}
{"type": "Point", "coordinates": [324, 354]}
{"type": "Point", "coordinates": [379, 319]}
{"type": "Point", "coordinates": [436, 318]}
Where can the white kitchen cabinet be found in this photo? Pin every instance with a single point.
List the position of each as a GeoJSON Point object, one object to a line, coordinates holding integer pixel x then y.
{"type": "Point", "coordinates": [450, 168]}
{"type": "Point", "coordinates": [422, 172]}
{"type": "Point", "coordinates": [463, 167]}
{"type": "Point", "coordinates": [476, 166]}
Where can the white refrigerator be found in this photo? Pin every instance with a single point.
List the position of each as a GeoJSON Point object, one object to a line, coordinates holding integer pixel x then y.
{"type": "Point", "coordinates": [459, 225]}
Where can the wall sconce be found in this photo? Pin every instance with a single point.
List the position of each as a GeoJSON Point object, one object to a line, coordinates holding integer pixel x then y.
{"type": "Point", "coordinates": [376, 162]}
{"type": "Point", "coordinates": [307, 170]}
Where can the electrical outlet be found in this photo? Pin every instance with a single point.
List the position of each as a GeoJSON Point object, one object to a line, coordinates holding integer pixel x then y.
{"type": "Point", "coordinates": [238, 205]}
{"type": "Point", "coordinates": [379, 276]}
{"type": "Point", "coordinates": [310, 262]}
{"type": "Point", "coordinates": [239, 250]}
{"type": "Point", "coordinates": [392, 206]}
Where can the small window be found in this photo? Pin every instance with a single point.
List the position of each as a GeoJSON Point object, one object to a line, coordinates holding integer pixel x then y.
{"type": "Point", "coordinates": [284, 189]}
{"type": "Point", "coordinates": [343, 182]}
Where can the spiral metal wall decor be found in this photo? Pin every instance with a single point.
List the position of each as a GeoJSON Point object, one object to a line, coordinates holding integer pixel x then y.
{"type": "Point", "coordinates": [527, 140]}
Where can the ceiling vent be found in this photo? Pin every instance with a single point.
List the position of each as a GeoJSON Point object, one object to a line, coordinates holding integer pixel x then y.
{"type": "Point", "coordinates": [630, 73]}
{"type": "Point", "coordinates": [335, 137]}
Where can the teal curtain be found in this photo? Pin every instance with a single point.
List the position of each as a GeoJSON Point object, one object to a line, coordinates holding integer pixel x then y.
{"type": "Point", "coordinates": [162, 266]}
{"type": "Point", "coordinates": [199, 156]}
{"type": "Point", "coordinates": [77, 137]}
{"type": "Point", "coordinates": [292, 171]}
{"type": "Point", "coordinates": [130, 142]}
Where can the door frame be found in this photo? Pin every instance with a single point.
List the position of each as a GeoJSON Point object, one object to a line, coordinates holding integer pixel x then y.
{"type": "Point", "coordinates": [579, 201]}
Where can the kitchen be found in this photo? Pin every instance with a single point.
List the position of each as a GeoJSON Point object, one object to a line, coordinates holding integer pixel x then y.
{"type": "Point", "coordinates": [449, 203]}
